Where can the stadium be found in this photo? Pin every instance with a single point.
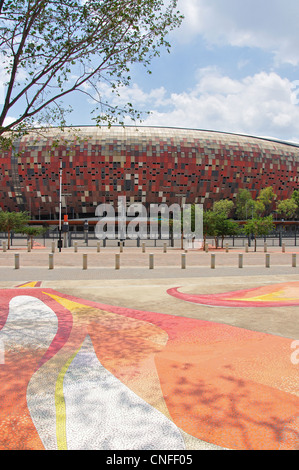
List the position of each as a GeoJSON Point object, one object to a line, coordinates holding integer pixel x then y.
{"type": "Point", "coordinates": [145, 164]}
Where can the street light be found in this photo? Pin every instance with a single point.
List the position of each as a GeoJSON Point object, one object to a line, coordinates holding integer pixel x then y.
{"type": "Point", "coordinates": [60, 206]}
{"type": "Point", "coordinates": [85, 227]}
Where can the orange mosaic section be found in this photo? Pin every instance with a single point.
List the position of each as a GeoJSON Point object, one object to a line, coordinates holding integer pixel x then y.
{"type": "Point", "coordinates": [231, 392]}
{"type": "Point", "coordinates": [17, 430]}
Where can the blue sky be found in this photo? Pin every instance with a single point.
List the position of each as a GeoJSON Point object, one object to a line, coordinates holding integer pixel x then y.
{"type": "Point", "coordinates": [233, 67]}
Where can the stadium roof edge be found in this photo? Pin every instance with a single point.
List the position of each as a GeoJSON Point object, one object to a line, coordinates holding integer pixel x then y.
{"type": "Point", "coordinates": [267, 139]}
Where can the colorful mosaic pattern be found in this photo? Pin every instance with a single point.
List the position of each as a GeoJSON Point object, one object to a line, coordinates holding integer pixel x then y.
{"type": "Point", "coordinates": [278, 295]}
{"type": "Point", "coordinates": [148, 165]}
{"type": "Point", "coordinates": [83, 375]}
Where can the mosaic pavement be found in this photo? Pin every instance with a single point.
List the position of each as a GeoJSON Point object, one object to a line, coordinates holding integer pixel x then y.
{"type": "Point", "coordinates": [79, 374]}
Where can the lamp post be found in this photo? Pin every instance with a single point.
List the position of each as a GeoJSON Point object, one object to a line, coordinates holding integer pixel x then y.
{"type": "Point", "coordinates": [121, 227]}
{"type": "Point", "coordinates": [280, 232]}
{"type": "Point", "coordinates": [86, 231]}
{"type": "Point", "coordinates": [60, 206]}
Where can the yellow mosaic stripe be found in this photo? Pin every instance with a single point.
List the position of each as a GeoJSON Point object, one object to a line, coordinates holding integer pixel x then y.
{"type": "Point", "coordinates": [272, 297]}
{"type": "Point", "coordinates": [73, 307]}
{"type": "Point", "coordinates": [60, 405]}
{"type": "Point", "coordinates": [28, 284]}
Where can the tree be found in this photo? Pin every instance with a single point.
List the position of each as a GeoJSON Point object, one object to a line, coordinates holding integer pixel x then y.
{"type": "Point", "coordinates": [217, 225]}
{"type": "Point", "coordinates": [32, 231]}
{"type": "Point", "coordinates": [12, 221]}
{"type": "Point", "coordinates": [295, 196]}
{"type": "Point", "coordinates": [224, 206]}
{"type": "Point", "coordinates": [287, 208]}
{"type": "Point", "coordinates": [244, 204]}
{"type": "Point", "coordinates": [267, 197]}
{"type": "Point", "coordinates": [258, 208]}
{"type": "Point", "coordinates": [50, 49]}
{"type": "Point", "coordinates": [225, 227]}
{"type": "Point", "coordinates": [259, 226]}
{"type": "Point", "coordinates": [209, 225]}
{"type": "Point", "coordinates": [246, 207]}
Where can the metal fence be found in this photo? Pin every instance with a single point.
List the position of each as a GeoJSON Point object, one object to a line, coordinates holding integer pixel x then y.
{"type": "Point", "coordinates": [89, 238]}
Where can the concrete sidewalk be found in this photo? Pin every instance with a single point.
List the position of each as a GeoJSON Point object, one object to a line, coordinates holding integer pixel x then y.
{"type": "Point", "coordinates": [131, 257]}
{"type": "Point", "coordinates": [131, 273]}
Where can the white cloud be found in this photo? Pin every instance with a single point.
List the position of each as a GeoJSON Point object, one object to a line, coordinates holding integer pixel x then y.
{"type": "Point", "coordinates": [133, 94]}
{"type": "Point", "coordinates": [271, 25]}
{"type": "Point", "coordinates": [264, 104]}
{"type": "Point", "coordinates": [9, 120]}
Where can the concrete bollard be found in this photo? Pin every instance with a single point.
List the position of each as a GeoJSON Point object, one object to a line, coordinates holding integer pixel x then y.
{"type": "Point", "coordinates": [51, 261]}
{"type": "Point", "coordinates": [294, 260]}
{"type": "Point", "coordinates": [53, 247]}
{"type": "Point", "coordinates": [143, 247]}
{"type": "Point", "coordinates": [85, 261]}
{"type": "Point", "coordinates": [151, 261]}
{"type": "Point", "coordinates": [213, 261]}
{"type": "Point", "coordinates": [246, 247]}
{"type": "Point", "coordinates": [75, 247]}
{"type": "Point", "coordinates": [17, 261]}
{"type": "Point", "coordinates": [117, 261]}
{"type": "Point", "coordinates": [267, 261]}
{"type": "Point", "coordinates": [183, 261]}
{"type": "Point", "coordinates": [226, 248]}
{"type": "Point", "coordinates": [4, 248]}
{"type": "Point", "coordinates": [29, 246]}
{"type": "Point", "coordinates": [265, 247]}
{"type": "Point", "coordinates": [240, 261]}
{"type": "Point", "coordinates": [98, 247]}
{"type": "Point", "coordinates": [165, 247]}
{"type": "Point", "coordinates": [283, 247]}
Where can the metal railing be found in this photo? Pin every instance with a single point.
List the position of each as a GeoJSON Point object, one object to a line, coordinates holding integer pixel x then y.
{"type": "Point", "coordinates": [274, 240]}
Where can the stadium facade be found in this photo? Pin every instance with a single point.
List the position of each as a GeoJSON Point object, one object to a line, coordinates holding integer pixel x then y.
{"type": "Point", "coordinates": [145, 164]}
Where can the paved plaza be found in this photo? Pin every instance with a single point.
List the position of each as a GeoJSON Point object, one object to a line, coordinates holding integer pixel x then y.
{"type": "Point", "coordinates": [178, 357]}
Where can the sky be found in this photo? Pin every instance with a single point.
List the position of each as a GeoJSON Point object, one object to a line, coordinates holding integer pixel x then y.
{"type": "Point", "coordinates": [233, 67]}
